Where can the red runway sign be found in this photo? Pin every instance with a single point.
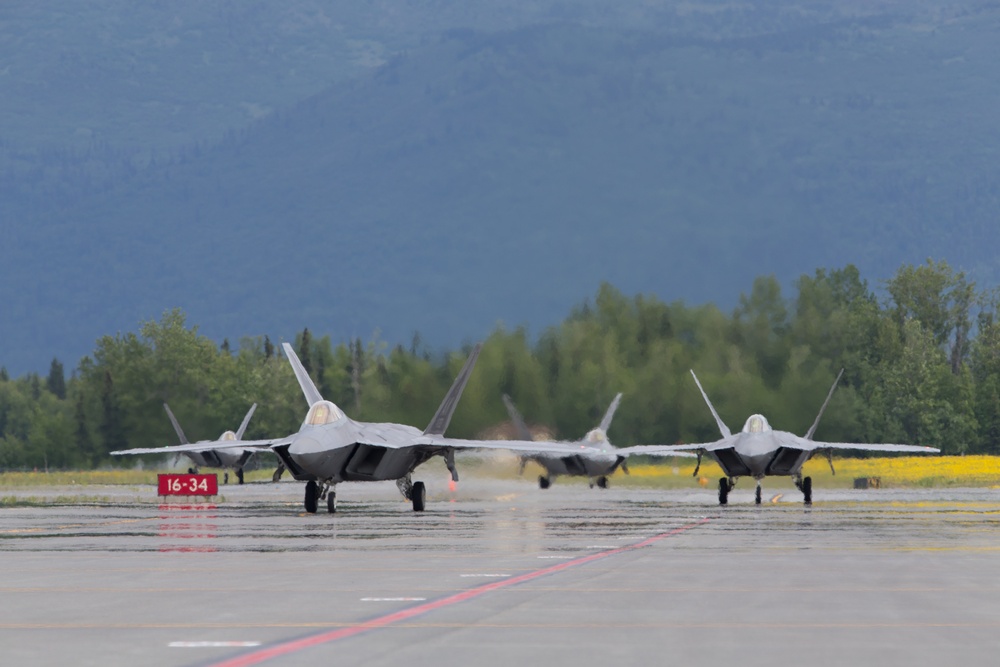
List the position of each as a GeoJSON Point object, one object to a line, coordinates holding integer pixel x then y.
{"type": "Point", "coordinates": [188, 485]}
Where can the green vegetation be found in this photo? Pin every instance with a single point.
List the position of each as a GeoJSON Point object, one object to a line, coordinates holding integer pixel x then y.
{"type": "Point", "coordinates": [921, 368]}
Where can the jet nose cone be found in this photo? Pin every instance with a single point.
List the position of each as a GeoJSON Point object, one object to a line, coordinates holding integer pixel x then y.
{"type": "Point", "coordinates": [304, 445]}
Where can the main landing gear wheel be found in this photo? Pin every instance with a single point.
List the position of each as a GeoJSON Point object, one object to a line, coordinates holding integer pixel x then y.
{"type": "Point", "coordinates": [312, 497]}
{"type": "Point", "coordinates": [418, 495]}
{"type": "Point", "coordinates": [239, 475]}
{"type": "Point", "coordinates": [723, 491]}
{"type": "Point", "coordinates": [192, 471]}
{"type": "Point", "coordinates": [807, 490]}
{"type": "Point", "coordinates": [331, 502]}
{"type": "Point", "coordinates": [602, 482]}
{"type": "Point", "coordinates": [225, 477]}
{"type": "Point", "coordinates": [544, 482]}
{"type": "Point", "coordinates": [756, 497]}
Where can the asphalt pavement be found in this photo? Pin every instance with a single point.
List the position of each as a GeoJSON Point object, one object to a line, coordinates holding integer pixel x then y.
{"type": "Point", "coordinates": [500, 573]}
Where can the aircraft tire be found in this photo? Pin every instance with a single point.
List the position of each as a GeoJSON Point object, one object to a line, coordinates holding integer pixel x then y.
{"type": "Point", "coordinates": [225, 477]}
{"type": "Point", "coordinates": [757, 495]}
{"type": "Point", "coordinates": [602, 482]}
{"type": "Point", "coordinates": [723, 491]}
{"type": "Point", "coordinates": [192, 471]}
{"type": "Point", "coordinates": [312, 497]}
{"type": "Point", "coordinates": [331, 502]}
{"type": "Point", "coordinates": [239, 475]}
{"type": "Point", "coordinates": [418, 495]}
{"type": "Point", "coordinates": [544, 482]}
{"type": "Point", "coordinates": [807, 490]}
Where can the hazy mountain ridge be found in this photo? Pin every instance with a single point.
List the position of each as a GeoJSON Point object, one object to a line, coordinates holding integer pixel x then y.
{"type": "Point", "coordinates": [503, 175]}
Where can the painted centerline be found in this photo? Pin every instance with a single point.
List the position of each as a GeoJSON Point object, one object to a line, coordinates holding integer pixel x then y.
{"type": "Point", "coordinates": [296, 645]}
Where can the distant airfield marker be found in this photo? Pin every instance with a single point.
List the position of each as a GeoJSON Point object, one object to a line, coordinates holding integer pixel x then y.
{"type": "Point", "coordinates": [210, 644]}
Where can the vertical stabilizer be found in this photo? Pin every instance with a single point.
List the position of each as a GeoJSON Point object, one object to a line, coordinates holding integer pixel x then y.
{"type": "Point", "coordinates": [439, 423]}
{"type": "Point", "coordinates": [610, 414]}
{"type": "Point", "coordinates": [812, 429]}
{"type": "Point", "coordinates": [515, 417]}
{"type": "Point", "coordinates": [308, 388]}
{"type": "Point", "coordinates": [722, 427]}
{"type": "Point", "coordinates": [177, 427]}
{"type": "Point", "coordinates": [246, 422]}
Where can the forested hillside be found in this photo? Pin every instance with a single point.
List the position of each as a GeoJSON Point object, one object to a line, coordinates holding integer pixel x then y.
{"type": "Point", "coordinates": [922, 367]}
{"type": "Point", "coordinates": [439, 166]}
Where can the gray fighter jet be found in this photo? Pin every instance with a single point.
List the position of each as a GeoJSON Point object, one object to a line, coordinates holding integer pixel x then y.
{"type": "Point", "coordinates": [596, 458]}
{"type": "Point", "coordinates": [330, 448]}
{"type": "Point", "coordinates": [759, 451]}
{"type": "Point", "coordinates": [218, 457]}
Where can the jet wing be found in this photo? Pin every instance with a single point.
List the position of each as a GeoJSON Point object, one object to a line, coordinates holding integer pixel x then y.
{"type": "Point", "coordinates": [677, 450]}
{"type": "Point", "coordinates": [655, 450]}
{"type": "Point", "coordinates": [793, 441]}
{"type": "Point", "coordinates": [522, 446]}
{"type": "Point", "coordinates": [208, 445]}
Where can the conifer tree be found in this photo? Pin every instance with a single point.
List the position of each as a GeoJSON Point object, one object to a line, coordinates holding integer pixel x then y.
{"type": "Point", "coordinates": [357, 368]}
{"type": "Point", "coordinates": [305, 347]}
{"type": "Point", "coordinates": [56, 381]}
{"type": "Point", "coordinates": [324, 389]}
{"type": "Point", "coordinates": [84, 443]}
{"type": "Point", "coordinates": [112, 429]}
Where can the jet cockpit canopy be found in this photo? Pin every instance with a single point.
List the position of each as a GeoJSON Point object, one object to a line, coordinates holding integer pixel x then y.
{"type": "Point", "coordinates": [756, 424]}
{"type": "Point", "coordinates": [323, 412]}
{"type": "Point", "coordinates": [596, 437]}
{"type": "Point", "coordinates": [228, 435]}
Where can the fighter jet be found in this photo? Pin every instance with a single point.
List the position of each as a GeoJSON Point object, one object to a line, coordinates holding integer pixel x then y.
{"type": "Point", "coordinates": [759, 451]}
{"type": "Point", "coordinates": [596, 458]}
{"type": "Point", "coordinates": [330, 448]}
{"type": "Point", "coordinates": [217, 457]}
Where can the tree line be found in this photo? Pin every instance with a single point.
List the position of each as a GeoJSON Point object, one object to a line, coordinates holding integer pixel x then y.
{"type": "Point", "coordinates": [922, 366]}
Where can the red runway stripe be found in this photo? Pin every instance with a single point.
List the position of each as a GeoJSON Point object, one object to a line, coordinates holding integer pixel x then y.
{"type": "Point", "coordinates": [295, 645]}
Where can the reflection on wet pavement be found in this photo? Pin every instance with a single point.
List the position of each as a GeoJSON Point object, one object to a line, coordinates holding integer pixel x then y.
{"type": "Point", "coordinates": [881, 575]}
{"type": "Point", "coordinates": [528, 520]}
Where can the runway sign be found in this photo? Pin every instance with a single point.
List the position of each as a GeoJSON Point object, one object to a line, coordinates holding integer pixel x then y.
{"type": "Point", "coordinates": [188, 485]}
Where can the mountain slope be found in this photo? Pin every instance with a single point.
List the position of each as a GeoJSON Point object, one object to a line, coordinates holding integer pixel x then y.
{"type": "Point", "coordinates": [502, 176]}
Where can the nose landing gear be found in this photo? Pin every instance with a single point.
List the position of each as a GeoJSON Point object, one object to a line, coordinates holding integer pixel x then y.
{"type": "Point", "coordinates": [314, 494]}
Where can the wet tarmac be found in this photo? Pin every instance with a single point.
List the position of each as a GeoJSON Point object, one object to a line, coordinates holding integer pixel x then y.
{"type": "Point", "coordinates": [501, 573]}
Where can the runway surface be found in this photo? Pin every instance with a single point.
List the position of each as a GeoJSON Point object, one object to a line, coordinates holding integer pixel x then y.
{"type": "Point", "coordinates": [502, 573]}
